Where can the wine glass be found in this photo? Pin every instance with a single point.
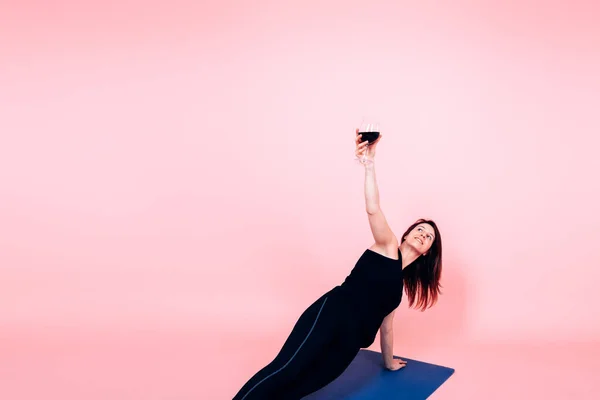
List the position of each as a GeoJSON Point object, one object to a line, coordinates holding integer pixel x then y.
{"type": "Point", "coordinates": [369, 129]}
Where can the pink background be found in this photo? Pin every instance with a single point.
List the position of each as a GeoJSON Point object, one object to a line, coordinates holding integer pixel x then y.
{"type": "Point", "coordinates": [177, 184]}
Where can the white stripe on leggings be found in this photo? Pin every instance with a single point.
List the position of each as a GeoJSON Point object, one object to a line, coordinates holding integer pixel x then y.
{"type": "Point", "coordinates": [290, 360]}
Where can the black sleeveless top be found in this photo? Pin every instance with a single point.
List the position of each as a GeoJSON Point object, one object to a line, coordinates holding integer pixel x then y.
{"type": "Point", "coordinates": [372, 291]}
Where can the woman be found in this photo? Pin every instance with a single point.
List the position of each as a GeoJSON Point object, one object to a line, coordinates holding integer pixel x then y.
{"type": "Point", "coordinates": [331, 331]}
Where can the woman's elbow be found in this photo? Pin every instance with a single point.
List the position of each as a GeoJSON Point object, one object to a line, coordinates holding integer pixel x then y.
{"type": "Point", "coordinates": [386, 329]}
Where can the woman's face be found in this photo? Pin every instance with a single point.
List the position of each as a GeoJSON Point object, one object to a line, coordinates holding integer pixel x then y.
{"type": "Point", "coordinates": [421, 237]}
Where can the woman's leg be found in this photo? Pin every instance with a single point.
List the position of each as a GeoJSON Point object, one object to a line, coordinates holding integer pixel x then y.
{"type": "Point", "coordinates": [310, 336]}
{"type": "Point", "coordinates": [326, 369]}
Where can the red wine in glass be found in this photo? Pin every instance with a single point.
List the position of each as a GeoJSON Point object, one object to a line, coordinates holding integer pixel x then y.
{"type": "Point", "coordinates": [369, 131]}
{"type": "Point", "coordinates": [369, 136]}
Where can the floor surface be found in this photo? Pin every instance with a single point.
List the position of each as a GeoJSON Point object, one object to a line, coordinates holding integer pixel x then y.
{"type": "Point", "coordinates": [164, 365]}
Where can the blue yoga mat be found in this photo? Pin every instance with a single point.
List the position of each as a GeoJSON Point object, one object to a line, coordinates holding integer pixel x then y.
{"type": "Point", "coordinates": [366, 379]}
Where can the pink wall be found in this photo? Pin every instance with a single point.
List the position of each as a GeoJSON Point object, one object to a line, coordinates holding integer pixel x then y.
{"type": "Point", "coordinates": [184, 165]}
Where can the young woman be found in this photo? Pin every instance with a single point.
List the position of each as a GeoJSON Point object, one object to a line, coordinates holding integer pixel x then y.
{"type": "Point", "coordinates": [331, 331]}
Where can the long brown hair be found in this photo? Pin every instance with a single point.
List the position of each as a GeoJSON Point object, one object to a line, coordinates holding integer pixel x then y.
{"type": "Point", "coordinates": [422, 276]}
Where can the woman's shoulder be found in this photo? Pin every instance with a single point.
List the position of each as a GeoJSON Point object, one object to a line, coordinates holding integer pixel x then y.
{"type": "Point", "coordinates": [390, 250]}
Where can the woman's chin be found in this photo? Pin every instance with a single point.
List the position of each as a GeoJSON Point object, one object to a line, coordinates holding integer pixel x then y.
{"type": "Point", "coordinates": [416, 247]}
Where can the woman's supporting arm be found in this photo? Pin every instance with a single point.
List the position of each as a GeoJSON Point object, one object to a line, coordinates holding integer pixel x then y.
{"type": "Point", "coordinates": [386, 336]}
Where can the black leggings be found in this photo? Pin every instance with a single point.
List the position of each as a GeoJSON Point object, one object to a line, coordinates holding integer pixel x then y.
{"type": "Point", "coordinates": [317, 351]}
